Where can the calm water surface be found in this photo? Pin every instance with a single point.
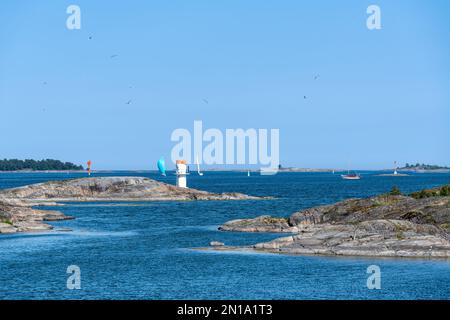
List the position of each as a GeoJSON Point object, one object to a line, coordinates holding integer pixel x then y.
{"type": "Point", "coordinates": [143, 250]}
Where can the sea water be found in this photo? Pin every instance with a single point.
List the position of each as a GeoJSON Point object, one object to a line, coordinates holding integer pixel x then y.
{"type": "Point", "coordinates": [146, 250]}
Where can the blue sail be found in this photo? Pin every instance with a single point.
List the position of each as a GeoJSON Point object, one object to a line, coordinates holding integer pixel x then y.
{"type": "Point", "coordinates": [162, 166]}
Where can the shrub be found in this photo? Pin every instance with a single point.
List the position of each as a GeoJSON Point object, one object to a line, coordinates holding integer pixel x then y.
{"type": "Point", "coordinates": [395, 191]}
{"type": "Point", "coordinates": [425, 194]}
{"type": "Point", "coordinates": [444, 191]}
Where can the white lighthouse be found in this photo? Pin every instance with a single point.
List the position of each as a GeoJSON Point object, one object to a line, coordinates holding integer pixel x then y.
{"type": "Point", "coordinates": [182, 172]}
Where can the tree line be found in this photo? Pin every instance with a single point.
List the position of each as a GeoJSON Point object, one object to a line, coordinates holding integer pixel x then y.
{"type": "Point", "coordinates": [37, 165]}
{"type": "Point", "coordinates": [423, 166]}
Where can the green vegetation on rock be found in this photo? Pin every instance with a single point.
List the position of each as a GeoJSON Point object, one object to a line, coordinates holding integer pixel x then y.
{"type": "Point", "coordinates": [395, 191]}
{"type": "Point", "coordinates": [444, 191]}
{"type": "Point", "coordinates": [275, 220]}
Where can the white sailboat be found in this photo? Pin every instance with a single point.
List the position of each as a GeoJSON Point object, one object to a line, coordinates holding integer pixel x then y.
{"type": "Point", "coordinates": [198, 167]}
{"type": "Point", "coordinates": [248, 173]}
{"type": "Point", "coordinates": [351, 176]}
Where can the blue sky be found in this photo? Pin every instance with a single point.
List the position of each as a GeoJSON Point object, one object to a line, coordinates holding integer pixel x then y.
{"type": "Point", "coordinates": [381, 95]}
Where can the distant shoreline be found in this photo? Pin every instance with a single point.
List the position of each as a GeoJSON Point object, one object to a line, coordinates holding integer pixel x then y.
{"type": "Point", "coordinates": [425, 170]}
{"type": "Point", "coordinates": [44, 171]}
{"type": "Point", "coordinates": [298, 170]}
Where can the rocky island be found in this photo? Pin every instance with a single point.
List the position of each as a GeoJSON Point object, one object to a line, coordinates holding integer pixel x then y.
{"type": "Point", "coordinates": [388, 225]}
{"type": "Point", "coordinates": [17, 212]}
{"type": "Point", "coordinates": [424, 168]}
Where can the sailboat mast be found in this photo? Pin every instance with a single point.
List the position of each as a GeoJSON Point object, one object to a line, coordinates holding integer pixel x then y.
{"type": "Point", "coordinates": [198, 167]}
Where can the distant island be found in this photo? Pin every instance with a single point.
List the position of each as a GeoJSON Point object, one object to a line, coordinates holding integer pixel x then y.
{"type": "Point", "coordinates": [37, 165]}
{"type": "Point", "coordinates": [294, 169]}
{"type": "Point", "coordinates": [422, 167]}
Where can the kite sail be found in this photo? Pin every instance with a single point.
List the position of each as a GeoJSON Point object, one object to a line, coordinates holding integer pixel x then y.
{"type": "Point", "coordinates": [162, 166]}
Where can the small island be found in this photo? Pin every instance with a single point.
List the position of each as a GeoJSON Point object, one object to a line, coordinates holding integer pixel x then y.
{"type": "Point", "coordinates": [38, 165]}
{"type": "Point", "coordinates": [424, 168]}
{"type": "Point", "coordinates": [17, 212]}
{"type": "Point", "coordinates": [388, 225]}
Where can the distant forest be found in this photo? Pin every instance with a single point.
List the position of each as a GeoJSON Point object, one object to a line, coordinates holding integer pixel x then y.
{"type": "Point", "coordinates": [37, 165]}
{"type": "Point", "coordinates": [423, 166]}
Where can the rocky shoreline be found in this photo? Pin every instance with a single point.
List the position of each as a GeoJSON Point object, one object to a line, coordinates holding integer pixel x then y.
{"type": "Point", "coordinates": [17, 212]}
{"type": "Point", "coordinates": [382, 226]}
{"type": "Point", "coordinates": [19, 218]}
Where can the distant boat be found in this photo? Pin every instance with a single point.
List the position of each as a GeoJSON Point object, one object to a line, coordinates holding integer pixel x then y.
{"type": "Point", "coordinates": [198, 168]}
{"type": "Point", "coordinates": [351, 176]}
{"type": "Point", "coordinates": [248, 173]}
{"type": "Point", "coordinates": [162, 166]}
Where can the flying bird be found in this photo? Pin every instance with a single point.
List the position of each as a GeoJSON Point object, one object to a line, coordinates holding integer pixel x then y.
{"type": "Point", "coordinates": [205, 101]}
{"type": "Point", "coordinates": [113, 56]}
{"type": "Point", "coordinates": [304, 97]}
{"type": "Point", "coordinates": [316, 77]}
{"type": "Point", "coordinates": [128, 102]}
{"type": "Point", "coordinates": [90, 37]}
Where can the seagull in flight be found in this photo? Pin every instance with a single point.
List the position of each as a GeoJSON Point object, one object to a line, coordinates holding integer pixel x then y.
{"type": "Point", "coordinates": [113, 56]}
{"type": "Point", "coordinates": [316, 77]}
{"type": "Point", "coordinates": [205, 101]}
{"type": "Point", "coordinates": [128, 102]}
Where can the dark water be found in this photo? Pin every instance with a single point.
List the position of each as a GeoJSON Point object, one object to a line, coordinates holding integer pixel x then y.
{"type": "Point", "coordinates": [142, 251]}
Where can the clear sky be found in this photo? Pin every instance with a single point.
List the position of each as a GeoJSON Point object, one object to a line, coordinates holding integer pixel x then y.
{"type": "Point", "coordinates": [381, 95]}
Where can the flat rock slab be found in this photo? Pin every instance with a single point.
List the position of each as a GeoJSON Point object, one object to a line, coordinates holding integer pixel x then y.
{"type": "Point", "coordinates": [111, 189]}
